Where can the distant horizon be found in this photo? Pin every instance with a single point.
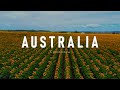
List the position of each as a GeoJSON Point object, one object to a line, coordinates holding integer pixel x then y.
{"type": "Point", "coordinates": [68, 28]}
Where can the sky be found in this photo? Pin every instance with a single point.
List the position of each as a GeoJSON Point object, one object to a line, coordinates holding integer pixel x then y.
{"type": "Point", "coordinates": [57, 19]}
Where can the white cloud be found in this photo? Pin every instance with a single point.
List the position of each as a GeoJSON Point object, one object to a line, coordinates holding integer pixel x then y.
{"type": "Point", "coordinates": [48, 18]}
{"type": "Point", "coordinates": [91, 25]}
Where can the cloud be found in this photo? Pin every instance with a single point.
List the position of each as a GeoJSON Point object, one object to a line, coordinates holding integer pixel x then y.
{"type": "Point", "coordinates": [59, 18]}
{"type": "Point", "coordinates": [91, 25]}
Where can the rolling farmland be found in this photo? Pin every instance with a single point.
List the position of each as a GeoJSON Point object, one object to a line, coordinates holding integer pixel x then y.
{"type": "Point", "coordinates": [59, 63]}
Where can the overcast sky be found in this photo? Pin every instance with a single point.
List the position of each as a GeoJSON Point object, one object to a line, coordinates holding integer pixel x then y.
{"type": "Point", "coordinates": [53, 18]}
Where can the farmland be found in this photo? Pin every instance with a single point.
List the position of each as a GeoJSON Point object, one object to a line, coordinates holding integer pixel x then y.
{"type": "Point", "coordinates": [59, 63]}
